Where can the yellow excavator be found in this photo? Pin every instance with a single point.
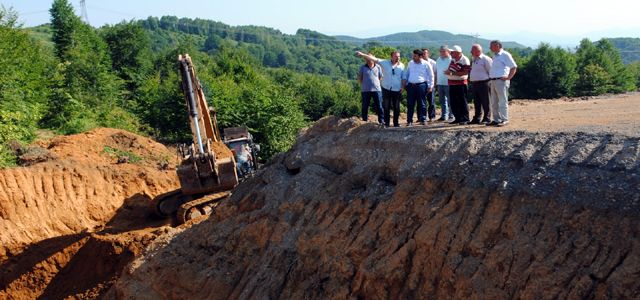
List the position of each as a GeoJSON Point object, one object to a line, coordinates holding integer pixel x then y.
{"type": "Point", "coordinates": [207, 172]}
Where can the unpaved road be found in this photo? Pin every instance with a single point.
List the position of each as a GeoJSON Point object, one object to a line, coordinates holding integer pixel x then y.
{"type": "Point", "coordinates": [617, 114]}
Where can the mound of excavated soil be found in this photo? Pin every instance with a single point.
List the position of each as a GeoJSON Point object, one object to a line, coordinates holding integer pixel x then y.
{"type": "Point", "coordinates": [69, 225]}
{"type": "Point", "coordinates": [353, 211]}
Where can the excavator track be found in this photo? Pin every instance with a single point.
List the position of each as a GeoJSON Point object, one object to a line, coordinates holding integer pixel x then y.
{"type": "Point", "coordinates": [200, 207]}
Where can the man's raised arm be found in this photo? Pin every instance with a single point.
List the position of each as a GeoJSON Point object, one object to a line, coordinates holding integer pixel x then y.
{"type": "Point", "coordinates": [367, 56]}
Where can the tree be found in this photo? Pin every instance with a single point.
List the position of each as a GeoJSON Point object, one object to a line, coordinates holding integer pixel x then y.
{"type": "Point", "coordinates": [244, 95]}
{"type": "Point", "coordinates": [129, 49]}
{"type": "Point", "coordinates": [621, 78]}
{"type": "Point", "coordinates": [548, 73]}
{"type": "Point", "coordinates": [161, 105]}
{"type": "Point", "coordinates": [86, 93]}
{"type": "Point", "coordinates": [634, 69]}
{"type": "Point", "coordinates": [24, 83]}
{"type": "Point", "coordinates": [64, 23]}
{"type": "Point", "coordinates": [607, 59]}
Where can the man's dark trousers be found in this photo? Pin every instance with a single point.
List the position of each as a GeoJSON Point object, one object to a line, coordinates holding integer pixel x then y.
{"type": "Point", "coordinates": [480, 92]}
{"type": "Point", "coordinates": [391, 100]}
{"type": "Point", "coordinates": [416, 94]}
{"type": "Point", "coordinates": [377, 104]}
{"type": "Point", "coordinates": [459, 107]}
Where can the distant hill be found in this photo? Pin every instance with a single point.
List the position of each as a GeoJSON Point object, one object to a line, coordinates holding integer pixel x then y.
{"type": "Point", "coordinates": [629, 48]}
{"type": "Point", "coordinates": [42, 33]}
{"type": "Point", "coordinates": [426, 38]}
{"type": "Point", "coordinates": [306, 51]}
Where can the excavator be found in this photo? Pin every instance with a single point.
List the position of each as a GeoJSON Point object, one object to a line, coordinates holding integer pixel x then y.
{"type": "Point", "coordinates": [207, 172]}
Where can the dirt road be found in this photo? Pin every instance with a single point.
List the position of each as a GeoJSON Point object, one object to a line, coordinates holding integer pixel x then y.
{"type": "Point", "coordinates": [616, 114]}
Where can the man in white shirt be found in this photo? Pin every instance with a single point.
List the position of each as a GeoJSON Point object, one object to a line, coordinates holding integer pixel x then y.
{"type": "Point", "coordinates": [431, 109]}
{"type": "Point", "coordinates": [442, 82]}
{"type": "Point", "coordinates": [391, 83]}
{"type": "Point", "coordinates": [418, 81]}
{"type": "Point", "coordinates": [479, 77]}
{"type": "Point", "coordinates": [502, 71]}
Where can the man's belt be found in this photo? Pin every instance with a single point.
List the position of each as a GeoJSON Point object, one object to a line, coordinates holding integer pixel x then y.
{"type": "Point", "coordinates": [419, 83]}
{"type": "Point", "coordinates": [390, 90]}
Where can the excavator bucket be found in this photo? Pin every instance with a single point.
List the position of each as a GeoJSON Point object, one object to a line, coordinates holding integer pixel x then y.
{"type": "Point", "coordinates": [204, 174]}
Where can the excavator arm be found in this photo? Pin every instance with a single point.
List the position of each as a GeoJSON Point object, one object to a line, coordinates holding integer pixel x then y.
{"type": "Point", "coordinates": [208, 166]}
{"type": "Point", "coordinates": [207, 172]}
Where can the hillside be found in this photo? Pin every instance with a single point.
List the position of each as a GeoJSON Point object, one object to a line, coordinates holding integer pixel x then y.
{"type": "Point", "coordinates": [305, 51]}
{"type": "Point", "coordinates": [629, 48]}
{"type": "Point", "coordinates": [426, 38]}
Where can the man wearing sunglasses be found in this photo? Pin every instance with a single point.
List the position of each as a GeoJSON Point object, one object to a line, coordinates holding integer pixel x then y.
{"type": "Point", "coordinates": [391, 84]}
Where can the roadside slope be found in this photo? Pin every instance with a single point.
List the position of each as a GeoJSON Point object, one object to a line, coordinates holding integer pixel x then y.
{"type": "Point", "coordinates": [353, 211]}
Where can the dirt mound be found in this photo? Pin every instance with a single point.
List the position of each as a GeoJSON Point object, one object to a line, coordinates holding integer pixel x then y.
{"type": "Point", "coordinates": [353, 211]}
{"type": "Point", "coordinates": [69, 224]}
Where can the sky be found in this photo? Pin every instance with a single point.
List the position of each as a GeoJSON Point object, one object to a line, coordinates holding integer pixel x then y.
{"type": "Point", "coordinates": [560, 22]}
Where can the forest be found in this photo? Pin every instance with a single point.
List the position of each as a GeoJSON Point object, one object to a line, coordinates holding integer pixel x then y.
{"type": "Point", "coordinates": [68, 77]}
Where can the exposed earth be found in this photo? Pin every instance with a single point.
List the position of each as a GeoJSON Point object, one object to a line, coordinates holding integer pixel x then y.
{"type": "Point", "coordinates": [547, 207]}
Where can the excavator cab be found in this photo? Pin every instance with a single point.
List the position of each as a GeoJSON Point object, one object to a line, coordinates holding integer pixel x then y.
{"type": "Point", "coordinates": [245, 151]}
{"type": "Point", "coordinates": [207, 172]}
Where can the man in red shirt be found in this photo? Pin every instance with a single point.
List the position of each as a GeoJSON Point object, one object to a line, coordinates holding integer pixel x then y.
{"type": "Point", "coordinates": [458, 73]}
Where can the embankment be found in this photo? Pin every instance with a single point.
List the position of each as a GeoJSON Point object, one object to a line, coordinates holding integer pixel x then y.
{"type": "Point", "coordinates": [353, 211]}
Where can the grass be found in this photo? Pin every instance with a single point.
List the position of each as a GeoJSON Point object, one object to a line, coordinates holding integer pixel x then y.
{"type": "Point", "coordinates": [117, 153]}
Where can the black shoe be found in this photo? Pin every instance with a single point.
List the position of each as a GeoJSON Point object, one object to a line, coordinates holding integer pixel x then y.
{"type": "Point", "coordinates": [474, 121]}
{"type": "Point", "coordinates": [503, 123]}
{"type": "Point", "coordinates": [485, 121]}
{"type": "Point", "coordinates": [492, 123]}
{"type": "Point", "coordinates": [463, 123]}
{"type": "Point", "coordinates": [396, 125]}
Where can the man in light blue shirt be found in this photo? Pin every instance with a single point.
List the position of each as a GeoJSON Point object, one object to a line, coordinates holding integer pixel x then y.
{"type": "Point", "coordinates": [391, 83]}
{"type": "Point", "coordinates": [442, 82]}
{"type": "Point", "coordinates": [369, 77]}
{"type": "Point", "coordinates": [502, 71]}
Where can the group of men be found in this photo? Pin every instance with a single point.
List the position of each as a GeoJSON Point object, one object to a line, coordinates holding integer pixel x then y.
{"type": "Point", "coordinates": [384, 80]}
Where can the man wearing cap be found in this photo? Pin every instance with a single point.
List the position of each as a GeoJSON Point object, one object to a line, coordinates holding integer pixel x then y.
{"type": "Point", "coordinates": [479, 77]}
{"type": "Point", "coordinates": [418, 81]}
{"type": "Point", "coordinates": [502, 70]}
{"type": "Point", "coordinates": [431, 102]}
{"type": "Point", "coordinates": [442, 82]}
{"type": "Point", "coordinates": [391, 83]}
{"type": "Point", "coordinates": [369, 77]}
{"type": "Point", "coordinates": [457, 74]}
